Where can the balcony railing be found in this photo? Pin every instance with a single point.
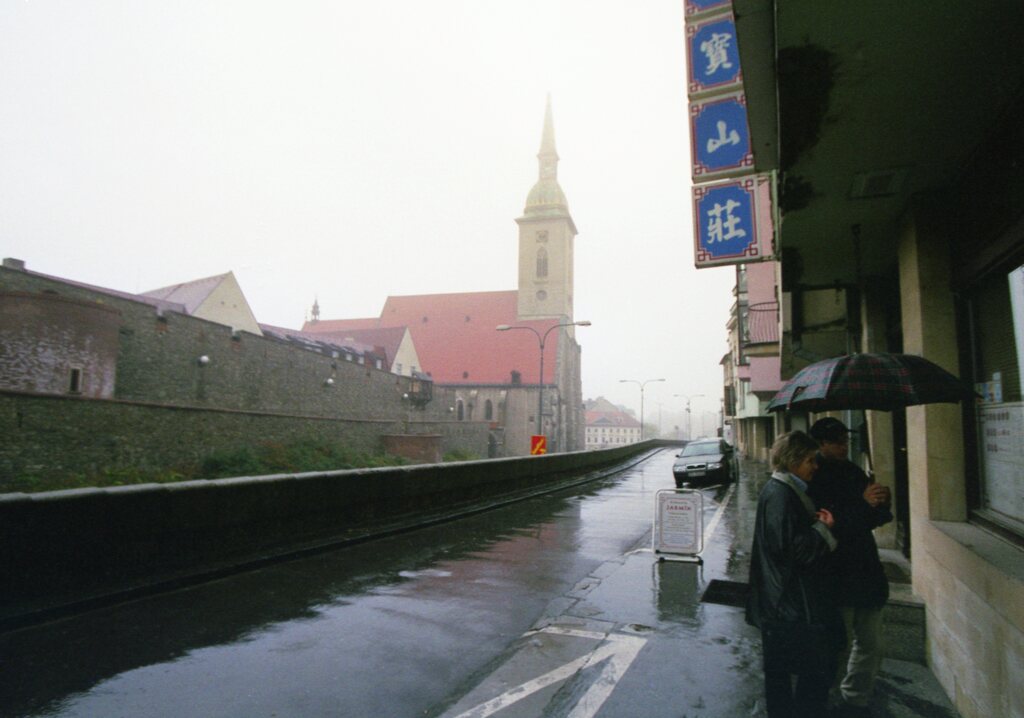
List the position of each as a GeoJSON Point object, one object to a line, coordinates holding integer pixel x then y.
{"type": "Point", "coordinates": [762, 325]}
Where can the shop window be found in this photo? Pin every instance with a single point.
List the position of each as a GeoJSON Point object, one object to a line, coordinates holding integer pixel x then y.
{"type": "Point", "coordinates": [997, 311]}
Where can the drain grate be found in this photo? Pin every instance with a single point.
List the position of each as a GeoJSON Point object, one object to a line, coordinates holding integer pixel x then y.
{"type": "Point", "coordinates": [727, 593]}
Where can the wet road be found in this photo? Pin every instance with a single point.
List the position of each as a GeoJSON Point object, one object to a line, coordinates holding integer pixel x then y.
{"type": "Point", "coordinates": [550, 607]}
{"type": "Point", "coordinates": [394, 627]}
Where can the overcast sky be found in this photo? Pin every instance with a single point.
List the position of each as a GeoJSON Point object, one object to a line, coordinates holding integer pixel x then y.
{"type": "Point", "coordinates": [351, 150]}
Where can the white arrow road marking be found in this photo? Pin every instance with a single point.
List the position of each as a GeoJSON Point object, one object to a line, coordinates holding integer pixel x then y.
{"type": "Point", "coordinates": [612, 672]}
{"type": "Point", "coordinates": [619, 650]}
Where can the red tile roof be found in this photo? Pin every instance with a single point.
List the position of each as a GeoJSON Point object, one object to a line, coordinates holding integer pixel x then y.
{"type": "Point", "coordinates": [390, 338]}
{"type": "Point", "coordinates": [337, 325]}
{"type": "Point", "coordinates": [456, 339]}
{"type": "Point", "coordinates": [611, 418]}
{"type": "Point", "coordinates": [457, 342]}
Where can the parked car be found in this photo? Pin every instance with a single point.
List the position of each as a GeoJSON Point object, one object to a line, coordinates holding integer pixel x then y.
{"type": "Point", "coordinates": [705, 462]}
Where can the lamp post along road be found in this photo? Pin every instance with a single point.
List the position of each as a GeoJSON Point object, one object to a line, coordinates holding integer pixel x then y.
{"type": "Point", "coordinates": [689, 421]}
{"type": "Point", "coordinates": [641, 384]}
{"type": "Point", "coordinates": [541, 339]}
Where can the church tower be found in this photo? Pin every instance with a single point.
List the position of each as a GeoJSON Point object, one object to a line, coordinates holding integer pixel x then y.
{"type": "Point", "coordinates": [546, 235]}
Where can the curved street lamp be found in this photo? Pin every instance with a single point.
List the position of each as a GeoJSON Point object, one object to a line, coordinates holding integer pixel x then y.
{"type": "Point", "coordinates": [641, 384]}
{"type": "Point", "coordinates": [541, 338]}
{"type": "Point", "coordinates": [689, 421]}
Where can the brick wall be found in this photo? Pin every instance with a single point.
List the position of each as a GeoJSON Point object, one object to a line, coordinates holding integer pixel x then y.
{"type": "Point", "coordinates": [44, 338]}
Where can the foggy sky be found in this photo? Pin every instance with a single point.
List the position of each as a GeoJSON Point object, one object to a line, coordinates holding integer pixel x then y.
{"type": "Point", "coordinates": [351, 150]}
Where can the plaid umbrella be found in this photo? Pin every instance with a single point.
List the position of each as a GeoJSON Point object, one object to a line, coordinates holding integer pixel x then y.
{"type": "Point", "coordinates": [870, 381]}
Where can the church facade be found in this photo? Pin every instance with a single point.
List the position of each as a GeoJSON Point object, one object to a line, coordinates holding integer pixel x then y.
{"type": "Point", "coordinates": [495, 375]}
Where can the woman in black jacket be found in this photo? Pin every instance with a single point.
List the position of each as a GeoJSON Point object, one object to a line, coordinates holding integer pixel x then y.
{"type": "Point", "coordinates": [787, 585]}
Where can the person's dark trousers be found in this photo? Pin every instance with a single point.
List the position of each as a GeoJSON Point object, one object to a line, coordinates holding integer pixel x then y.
{"type": "Point", "coordinates": [808, 699]}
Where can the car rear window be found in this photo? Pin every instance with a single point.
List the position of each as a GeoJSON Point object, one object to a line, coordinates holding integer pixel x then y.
{"type": "Point", "coordinates": [702, 447]}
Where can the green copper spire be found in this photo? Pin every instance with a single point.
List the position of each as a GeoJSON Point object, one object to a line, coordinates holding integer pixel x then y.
{"type": "Point", "coordinates": [546, 198]}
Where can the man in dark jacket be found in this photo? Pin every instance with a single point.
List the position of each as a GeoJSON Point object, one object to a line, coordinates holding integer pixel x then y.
{"type": "Point", "coordinates": [859, 506]}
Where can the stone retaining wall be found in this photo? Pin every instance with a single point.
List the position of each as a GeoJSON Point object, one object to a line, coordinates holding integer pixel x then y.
{"type": "Point", "coordinates": [60, 548]}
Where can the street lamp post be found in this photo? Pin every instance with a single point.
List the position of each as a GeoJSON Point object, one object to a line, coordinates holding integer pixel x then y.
{"type": "Point", "coordinates": [641, 384]}
{"type": "Point", "coordinates": [689, 421]}
{"type": "Point", "coordinates": [541, 339]}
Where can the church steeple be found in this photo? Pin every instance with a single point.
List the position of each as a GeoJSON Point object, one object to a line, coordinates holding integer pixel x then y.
{"type": "Point", "coordinates": [547, 198]}
{"type": "Point", "coordinates": [546, 233]}
{"type": "Point", "coordinates": [548, 155]}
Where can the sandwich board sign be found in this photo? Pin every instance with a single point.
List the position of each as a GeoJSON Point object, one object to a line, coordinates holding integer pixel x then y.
{"type": "Point", "coordinates": [679, 523]}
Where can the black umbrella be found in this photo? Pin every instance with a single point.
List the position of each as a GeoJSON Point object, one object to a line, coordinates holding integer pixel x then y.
{"type": "Point", "coordinates": [870, 381]}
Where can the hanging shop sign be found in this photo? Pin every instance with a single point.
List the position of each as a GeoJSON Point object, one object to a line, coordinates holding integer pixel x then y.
{"type": "Point", "coordinates": [713, 56]}
{"type": "Point", "coordinates": [733, 208]}
{"type": "Point", "coordinates": [720, 138]}
{"type": "Point", "coordinates": [732, 221]}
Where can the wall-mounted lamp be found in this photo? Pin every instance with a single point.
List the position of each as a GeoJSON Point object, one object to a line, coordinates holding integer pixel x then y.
{"type": "Point", "coordinates": [329, 382]}
{"type": "Point", "coordinates": [203, 360]}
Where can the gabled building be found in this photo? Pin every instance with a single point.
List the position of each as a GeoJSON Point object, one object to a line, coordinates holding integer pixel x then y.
{"type": "Point", "coordinates": [217, 299]}
{"type": "Point", "coordinates": [609, 426]}
{"type": "Point", "coordinates": [496, 375]}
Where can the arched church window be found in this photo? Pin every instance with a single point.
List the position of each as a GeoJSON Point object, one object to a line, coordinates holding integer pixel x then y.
{"type": "Point", "coordinates": [460, 410]}
{"type": "Point", "coordinates": [542, 262]}
{"type": "Point", "coordinates": [488, 410]}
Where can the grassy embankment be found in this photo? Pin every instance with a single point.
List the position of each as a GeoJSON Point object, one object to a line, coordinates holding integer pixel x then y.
{"type": "Point", "coordinates": [263, 458]}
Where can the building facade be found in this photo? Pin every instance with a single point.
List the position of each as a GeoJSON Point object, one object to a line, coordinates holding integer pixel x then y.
{"type": "Point", "coordinates": [898, 171]}
{"type": "Point", "coordinates": [608, 426]}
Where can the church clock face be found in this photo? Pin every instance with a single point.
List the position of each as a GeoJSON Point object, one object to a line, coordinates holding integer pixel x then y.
{"type": "Point", "coordinates": [541, 295]}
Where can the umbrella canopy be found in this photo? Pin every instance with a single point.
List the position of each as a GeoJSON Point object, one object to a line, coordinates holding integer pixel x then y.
{"type": "Point", "coordinates": [869, 381]}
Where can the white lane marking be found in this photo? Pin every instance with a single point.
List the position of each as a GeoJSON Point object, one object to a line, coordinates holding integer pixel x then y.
{"type": "Point", "coordinates": [574, 632]}
{"type": "Point", "coordinates": [600, 689]}
{"type": "Point", "coordinates": [527, 689]}
{"type": "Point", "coordinates": [718, 514]}
{"type": "Point", "coordinates": [620, 649]}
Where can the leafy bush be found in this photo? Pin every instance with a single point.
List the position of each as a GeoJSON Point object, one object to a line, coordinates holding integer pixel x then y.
{"type": "Point", "coordinates": [459, 455]}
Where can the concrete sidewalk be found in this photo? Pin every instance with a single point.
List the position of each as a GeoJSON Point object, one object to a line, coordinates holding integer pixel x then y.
{"type": "Point", "coordinates": [635, 639]}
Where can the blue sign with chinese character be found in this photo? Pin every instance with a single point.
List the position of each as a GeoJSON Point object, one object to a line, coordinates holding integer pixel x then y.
{"type": "Point", "coordinates": [725, 219]}
{"type": "Point", "coordinates": [714, 55]}
{"type": "Point", "coordinates": [721, 139]}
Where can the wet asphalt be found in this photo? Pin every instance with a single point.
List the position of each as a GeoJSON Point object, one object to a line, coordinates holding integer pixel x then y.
{"type": "Point", "coordinates": [555, 606]}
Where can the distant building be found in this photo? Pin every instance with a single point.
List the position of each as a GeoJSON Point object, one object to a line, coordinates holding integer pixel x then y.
{"type": "Point", "coordinates": [495, 375]}
{"type": "Point", "coordinates": [217, 299]}
{"type": "Point", "coordinates": [395, 342]}
{"type": "Point", "coordinates": [751, 369]}
{"type": "Point", "coordinates": [609, 426]}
